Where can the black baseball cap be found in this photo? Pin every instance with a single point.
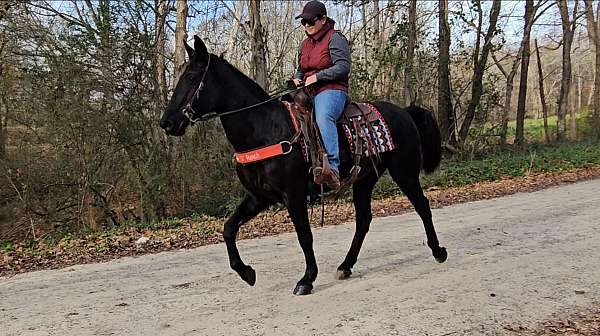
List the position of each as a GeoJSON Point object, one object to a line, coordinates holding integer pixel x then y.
{"type": "Point", "coordinates": [313, 9]}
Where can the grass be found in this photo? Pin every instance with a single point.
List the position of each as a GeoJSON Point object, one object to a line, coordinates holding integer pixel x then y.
{"type": "Point", "coordinates": [534, 128]}
{"type": "Point", "coordinates": [510, 162]}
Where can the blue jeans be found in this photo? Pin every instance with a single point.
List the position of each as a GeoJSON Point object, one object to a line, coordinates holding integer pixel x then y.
{"type": "Point", "coordinates": [329, 105]}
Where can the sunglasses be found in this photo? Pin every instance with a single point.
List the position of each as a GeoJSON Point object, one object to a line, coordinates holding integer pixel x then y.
{"type": "Point", "coordinates": [311, 22]}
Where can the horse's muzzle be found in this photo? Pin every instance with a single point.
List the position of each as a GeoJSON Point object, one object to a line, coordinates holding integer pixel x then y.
{"type": "Point", "coordinates": [167, 125]}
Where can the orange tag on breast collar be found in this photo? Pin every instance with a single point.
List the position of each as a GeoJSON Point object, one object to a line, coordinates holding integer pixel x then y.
{"type": "Point", "coordinates": [262, 153]}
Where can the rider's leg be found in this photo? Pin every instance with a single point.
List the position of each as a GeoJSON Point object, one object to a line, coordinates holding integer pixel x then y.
{"type": "Point", "coordinates": [329, 105]}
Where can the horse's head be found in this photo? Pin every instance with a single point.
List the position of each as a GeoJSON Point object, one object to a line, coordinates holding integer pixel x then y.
{"type": "Point", "coordinates": [195, 94]}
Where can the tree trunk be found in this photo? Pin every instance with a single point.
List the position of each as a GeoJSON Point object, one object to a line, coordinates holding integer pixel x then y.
{"type": "Point", "coordinates": [593, 27]}
{"type": "Point", "coordinates": [525, 50]}
{"type": "Point", "coordinates": [592, 53]}
{"type": "Point", "coordinates": [508, 95]}
{"type": "Point", "coordinates": [477, 79]}
{"type": "Point", "coordinates": [568, 27]}
{"type": "Point", "coordinates": [376, 25]}
{"type": "Point", "coordinates": [258, 46]}
{"type": "Point", "coordinates": [542, 94]}
{"type": "Point", "coordinates": [3, 125]}
{"type": "Point", "coordinates": [4, 85]}
{"type": "Point", "coordinates": [573, 113]}
{"type": "Point", "coordinates": [445, 111]}
{"type": "Point", "coordinates": [409, 94]}
{"type": "Point", "coordinates": [180, 35]}
{"type": "Point", "coordinates": [161, 16]}
{"type": "Point", "coordinates": [238, 9]}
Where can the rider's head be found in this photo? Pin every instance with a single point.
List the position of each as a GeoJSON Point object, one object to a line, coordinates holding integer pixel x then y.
{"type": "Point", "coordinates": [313, 17]}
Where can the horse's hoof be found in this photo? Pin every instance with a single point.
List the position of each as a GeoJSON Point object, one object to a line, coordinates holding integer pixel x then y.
{"type": "Point", "coordinates": [440, 254]}
{"type": "Point", "coordinates": [248, 275]}
{"type": "Point", "coordinates": [342, 274]}
{"type": "Point", "coordinates": [302, 289]}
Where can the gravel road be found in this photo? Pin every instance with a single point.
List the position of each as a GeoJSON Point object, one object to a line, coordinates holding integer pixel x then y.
{"type": "Point", "coordinates": [514, 260]}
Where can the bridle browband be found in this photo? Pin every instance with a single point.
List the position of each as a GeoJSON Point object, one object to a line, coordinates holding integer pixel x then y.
{"type": "Point", "coordinates": [190, 113]}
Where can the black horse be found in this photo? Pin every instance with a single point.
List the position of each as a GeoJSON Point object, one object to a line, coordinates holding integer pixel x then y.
{"type": "Point", "coordinates": [210, 85]}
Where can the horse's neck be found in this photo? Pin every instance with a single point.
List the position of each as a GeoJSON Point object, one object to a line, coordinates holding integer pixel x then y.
{"type": "Point", "coordinates": [256, 127]}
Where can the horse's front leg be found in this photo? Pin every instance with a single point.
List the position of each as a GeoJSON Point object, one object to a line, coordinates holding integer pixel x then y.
{"type": "Point", "coordinates": [297, 209]}
{"type": "Point", "coordinates": [249, 208]}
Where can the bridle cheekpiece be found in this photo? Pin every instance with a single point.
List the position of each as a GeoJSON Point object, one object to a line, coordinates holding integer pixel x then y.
{"type": "Point", "coordinates": [188, 110]}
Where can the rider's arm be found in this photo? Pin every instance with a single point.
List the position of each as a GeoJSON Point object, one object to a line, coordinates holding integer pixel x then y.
{"type": "Point", "coordinates": [299, 73]}
{"type": "Point", "coordinates": [339, 50]}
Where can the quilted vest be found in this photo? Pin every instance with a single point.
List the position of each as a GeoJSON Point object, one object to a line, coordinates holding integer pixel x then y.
{"type": "Point", "coordinates": [314, 56]}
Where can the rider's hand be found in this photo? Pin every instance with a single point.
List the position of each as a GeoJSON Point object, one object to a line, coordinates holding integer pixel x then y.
{"type": "Point", "coordinates": [297, 82]}
{"type": "Point", "coordinates": [311, 80]}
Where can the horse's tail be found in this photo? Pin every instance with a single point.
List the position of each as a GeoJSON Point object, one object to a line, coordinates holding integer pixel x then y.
{"type": "Point", "coordinates": [431, 143]}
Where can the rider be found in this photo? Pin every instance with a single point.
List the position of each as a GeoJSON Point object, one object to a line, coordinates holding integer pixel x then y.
{"type": "Point", "coordinates": [324, 62]}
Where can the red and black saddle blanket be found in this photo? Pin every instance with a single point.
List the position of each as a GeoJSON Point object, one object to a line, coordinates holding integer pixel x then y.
{"type": "Point", "coordinates": [364, 121]}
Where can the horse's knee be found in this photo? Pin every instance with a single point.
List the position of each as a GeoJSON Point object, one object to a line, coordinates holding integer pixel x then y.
{"type": "Point", "coordinates": [228, 236]}
{"type": "Point", "coordinates": [229, 232]}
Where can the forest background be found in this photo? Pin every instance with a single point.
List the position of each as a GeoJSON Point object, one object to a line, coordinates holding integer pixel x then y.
{"type": "Point", "coordinates": [515, 87]}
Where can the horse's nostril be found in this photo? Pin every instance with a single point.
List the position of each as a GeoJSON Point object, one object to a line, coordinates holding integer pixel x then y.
{"type": "Point", "coordinates": [166, 125]}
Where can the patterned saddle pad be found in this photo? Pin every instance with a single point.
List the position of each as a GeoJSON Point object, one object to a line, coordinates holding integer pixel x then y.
{"type": "Point", "coordinates": [364, 120]}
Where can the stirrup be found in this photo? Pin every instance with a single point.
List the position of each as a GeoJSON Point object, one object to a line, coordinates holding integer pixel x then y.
{"type": "Point", "coordinates": [331, 179]}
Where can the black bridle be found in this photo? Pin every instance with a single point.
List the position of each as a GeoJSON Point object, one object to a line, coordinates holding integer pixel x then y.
{"type": "Point", "coordinates": [190, 113]}
{"type": "Point", "coordinates": [188, 110]}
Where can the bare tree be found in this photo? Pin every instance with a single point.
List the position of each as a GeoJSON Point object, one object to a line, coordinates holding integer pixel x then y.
{"type": "Point", "coordinates": [568, 28]}
{"type": "Point", "coordinates": [542, 93]}
{"type": "Point", "coordinates": [445, 111]}
{"type": "Point", "coordinates": [258, 45]}
{"type": "Point", "coordinates": [525, 53]}
{"type": "Point", "coordinates": [238, 9]}
{"type": "Point", "coordinates": [161, 16]}
{"type": "Point", "coordinates": [409, 93]}
{"type": "Point", "coordinates": [593, 28]}
{"type": "Point", "coordinates": [5, 9]}
{"type": "Point", "coordinates": [180, 35]}
{"type": "Point", "coordinates": [479, 62]}
{"type": "Point", "coordinates": [506, 108]}
{"type": "Point", "coordinates": [376, 25]}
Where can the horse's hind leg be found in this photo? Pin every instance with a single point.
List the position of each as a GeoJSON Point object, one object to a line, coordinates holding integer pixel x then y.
{"type": "Point", "coordinates": [249, 208]}
{"type": "Point", "coordinates": [361, 191]}
{"type": "Point", "coordinates": [408, 181]}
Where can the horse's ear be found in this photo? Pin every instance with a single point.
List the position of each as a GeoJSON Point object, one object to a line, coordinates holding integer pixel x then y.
{"type": "Point", "coordinates": [188, 49]}
{"type": "Point", "coordinates": [200, 48]}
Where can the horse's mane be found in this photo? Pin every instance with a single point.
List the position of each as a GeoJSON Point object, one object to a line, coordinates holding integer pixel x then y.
{"type": "Point", "coordinates": [248, 82]}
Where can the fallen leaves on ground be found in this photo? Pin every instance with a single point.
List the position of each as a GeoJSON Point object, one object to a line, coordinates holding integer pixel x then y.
{"type": "Point", "coordinates": [584, 323]}
{"type": "Point", "coordinates": [193, 233]}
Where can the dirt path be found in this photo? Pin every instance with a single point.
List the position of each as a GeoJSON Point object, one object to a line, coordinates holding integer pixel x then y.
{"type": "Point", "coordinates": [514, 260]}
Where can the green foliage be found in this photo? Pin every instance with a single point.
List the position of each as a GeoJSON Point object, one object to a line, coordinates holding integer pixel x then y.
{"type": "Point", "coordinates": [534, 127]}
{"type": "Point", "coordinates": [6, 246]}
{"type": "Point", "coordinates": [502, 163]}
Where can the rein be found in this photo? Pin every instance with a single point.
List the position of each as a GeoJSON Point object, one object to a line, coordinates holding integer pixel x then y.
{"type": "Point", "coordinates": [190, 113]}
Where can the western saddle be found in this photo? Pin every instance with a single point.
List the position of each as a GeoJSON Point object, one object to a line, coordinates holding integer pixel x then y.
{"type": "Point", "coordinates": [357, 116]}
